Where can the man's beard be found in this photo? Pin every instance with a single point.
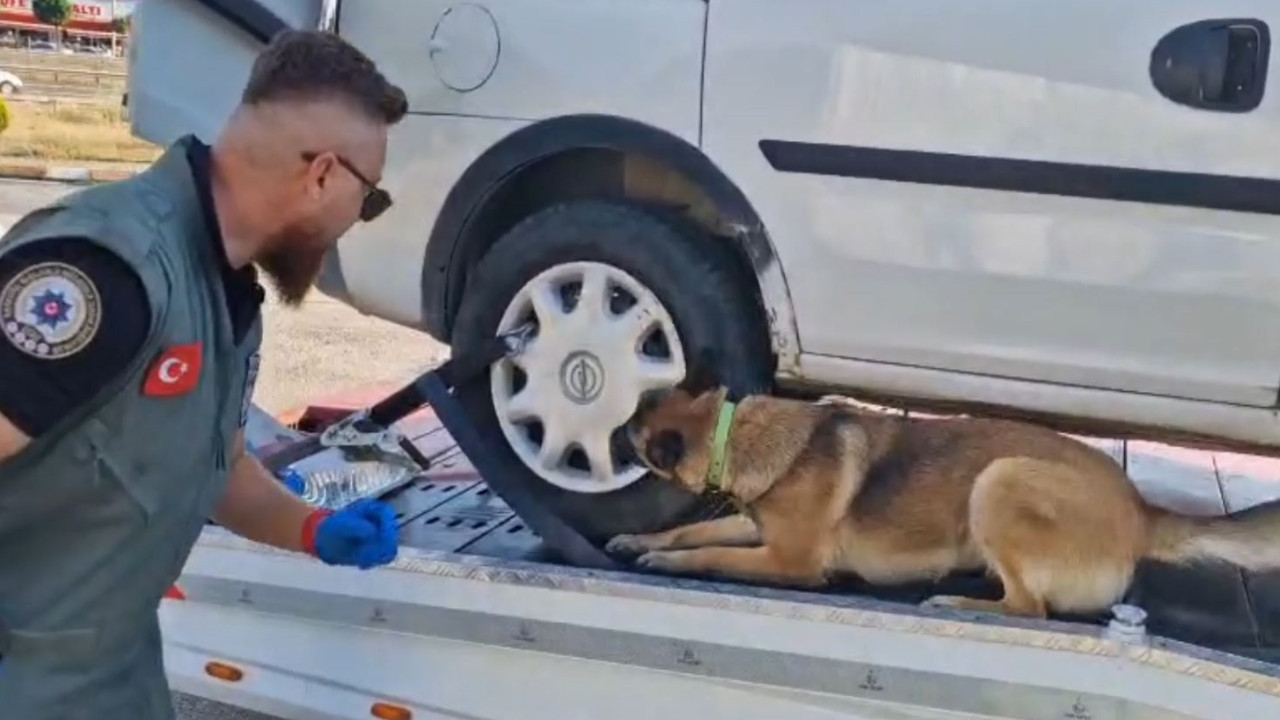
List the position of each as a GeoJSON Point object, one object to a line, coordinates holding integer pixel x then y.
{"type": "Point", "coordinates": [293, 264]}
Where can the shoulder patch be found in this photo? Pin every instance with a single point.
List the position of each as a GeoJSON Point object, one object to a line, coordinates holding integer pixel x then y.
{"type": "Point", "coordinates": [175, 372]}
{"type": "Point", "coordinates": [50, 310]}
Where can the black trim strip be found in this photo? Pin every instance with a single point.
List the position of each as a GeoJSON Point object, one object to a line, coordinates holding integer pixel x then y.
{"type": "Point", "coordinates": [1100, 182]}
{"type": "Point", "coordinates": [250, 16]}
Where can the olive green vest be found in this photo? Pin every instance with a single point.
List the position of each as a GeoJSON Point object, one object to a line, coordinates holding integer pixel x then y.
{"type": "Point", "coordinates": [98, 516]}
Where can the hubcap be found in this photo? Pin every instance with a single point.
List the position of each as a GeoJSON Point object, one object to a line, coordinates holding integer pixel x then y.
{"type": "Point", "coordinates": [601, 340]}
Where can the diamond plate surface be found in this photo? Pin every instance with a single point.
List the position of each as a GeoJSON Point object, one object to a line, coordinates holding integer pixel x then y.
{"type": "Point", "coordinates": [512, 540]}
{"type": "Point", "coordinates": [426, 494]}
{"type": "Point", "coordinates": [458, 521]}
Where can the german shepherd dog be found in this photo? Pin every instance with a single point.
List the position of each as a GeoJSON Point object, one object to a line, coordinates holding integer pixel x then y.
{"type": "Point", "coordinates": [823, 488]}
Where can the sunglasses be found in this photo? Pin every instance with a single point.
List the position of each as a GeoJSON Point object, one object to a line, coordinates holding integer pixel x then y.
{"type": "Point", "coordinates": [376, 200]}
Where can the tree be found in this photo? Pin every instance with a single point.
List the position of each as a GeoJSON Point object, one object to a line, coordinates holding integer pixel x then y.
{"type": "Point", "coordinates": [52, 12]}
{"type": "Point", "coordinates": [120, 25]}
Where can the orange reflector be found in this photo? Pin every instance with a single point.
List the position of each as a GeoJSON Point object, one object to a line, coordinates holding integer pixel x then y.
{"type": "Point", "coordinates": [387, 711]}
{"type": "Point", "coordinates": [222, 671]}
{"type": "Point", "coordinates": [175, 593]}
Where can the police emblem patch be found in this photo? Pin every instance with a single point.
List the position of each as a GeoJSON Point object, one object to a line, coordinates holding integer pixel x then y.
{"type": "Point", "coordinates": [50, 310]}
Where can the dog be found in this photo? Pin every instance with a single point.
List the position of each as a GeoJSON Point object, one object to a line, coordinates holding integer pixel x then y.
{"type": "Point", "coordinates": [826, 488]}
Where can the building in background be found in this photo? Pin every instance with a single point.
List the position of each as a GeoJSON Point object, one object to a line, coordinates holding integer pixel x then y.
{"type": "Point", "coordinates": [92, 26]}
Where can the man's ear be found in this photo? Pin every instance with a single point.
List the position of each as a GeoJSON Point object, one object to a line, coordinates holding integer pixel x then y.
{"type": "Point", "coordinates": [318, 171]}
{"type": "Point", "coordinates": [703, 373]}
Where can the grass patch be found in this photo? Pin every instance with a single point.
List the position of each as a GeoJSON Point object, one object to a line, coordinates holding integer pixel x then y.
{"type": "Point", "coordinates": [61, 132]}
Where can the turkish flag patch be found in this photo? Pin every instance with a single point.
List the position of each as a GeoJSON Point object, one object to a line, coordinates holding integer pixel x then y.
{"type": "Point", "coordinates": [176, 372]}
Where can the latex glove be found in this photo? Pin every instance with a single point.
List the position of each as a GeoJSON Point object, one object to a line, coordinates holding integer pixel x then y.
{"type": "Point", "coordinates": [363, 534]}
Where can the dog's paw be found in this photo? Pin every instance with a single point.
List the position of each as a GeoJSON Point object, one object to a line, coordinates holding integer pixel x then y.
{"type": "Point", "coordinates": [628, 545]}
{"type": "Point", "coordinates": [659, 561]}
{"type": "Point", "coordinates": [947, 601]}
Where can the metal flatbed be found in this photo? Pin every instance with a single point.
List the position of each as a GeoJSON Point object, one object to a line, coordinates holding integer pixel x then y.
{"type": "Point", "coordinates": [450, 510]}
{"type": "Point", "coordinates": [477, 619]}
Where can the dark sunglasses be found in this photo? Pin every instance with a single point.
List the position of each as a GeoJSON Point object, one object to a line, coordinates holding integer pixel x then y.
{"type": "Point", "coordinates": [376, 200]}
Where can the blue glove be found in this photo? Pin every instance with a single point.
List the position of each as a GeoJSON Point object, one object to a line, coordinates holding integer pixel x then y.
{"type": "Point", "coordinates": [363, 534]}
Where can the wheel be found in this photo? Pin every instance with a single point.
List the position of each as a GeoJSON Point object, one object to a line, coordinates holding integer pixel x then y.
{"type": "Point", "coordinates": [620, 297]}
{"type": "Point", "coordinates": [6, 89]}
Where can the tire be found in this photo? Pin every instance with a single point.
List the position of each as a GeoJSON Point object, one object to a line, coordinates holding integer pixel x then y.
{"type": "Point", "coordinates": [698, 281]}
{"type": "Point", "coordinates": [7, 89]}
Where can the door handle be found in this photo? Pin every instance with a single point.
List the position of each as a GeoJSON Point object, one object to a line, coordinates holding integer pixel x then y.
{"type": "Point", "coordinates": [1213, 64]}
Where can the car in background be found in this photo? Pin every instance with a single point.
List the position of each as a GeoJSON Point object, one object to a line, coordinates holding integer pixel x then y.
{"type": "Point", "coordinates": [48, 46]}
{"type": "Point", "coordinates": [10, 84]}
{"type": "Point", "coordinates": [969, 213]}
{"type": "Point", "coordinates": [86, 49]}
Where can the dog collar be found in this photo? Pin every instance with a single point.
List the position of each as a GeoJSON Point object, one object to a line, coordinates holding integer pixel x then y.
{"type": "Point", "coordinates": [720, 446]}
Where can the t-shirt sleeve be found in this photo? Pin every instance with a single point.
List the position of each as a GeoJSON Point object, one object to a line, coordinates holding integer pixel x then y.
{"type": "Point", "coordinates": [73, 316]}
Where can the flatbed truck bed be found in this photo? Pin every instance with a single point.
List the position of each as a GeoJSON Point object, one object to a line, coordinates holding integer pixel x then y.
{"type": "Point", "coordinates": [478, 619]}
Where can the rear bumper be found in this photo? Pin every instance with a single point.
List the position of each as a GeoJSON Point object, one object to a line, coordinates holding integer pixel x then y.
{"type": "Point", "coordinates": [274, 691]}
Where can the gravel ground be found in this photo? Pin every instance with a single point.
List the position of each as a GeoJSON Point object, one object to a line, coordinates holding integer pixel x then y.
{"type": "Point", "coordinates": [193, 708]}
{"type": "Point", "coordinates": [325, 346]}
{"type": "Point", "coordinates": [309, 351]}
{"type": "Point", "coordinates": [321, 347]}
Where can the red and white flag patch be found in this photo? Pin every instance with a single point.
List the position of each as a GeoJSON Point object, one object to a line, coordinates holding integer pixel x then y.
{"type": "Point", "coordinates": [176, 372]}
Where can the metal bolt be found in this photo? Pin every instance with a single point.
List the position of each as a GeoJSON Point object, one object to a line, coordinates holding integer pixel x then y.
{"type": "Point", "coordinates": [1128, 623]}
{"type": "Point", "coordinates": [1129, 615]}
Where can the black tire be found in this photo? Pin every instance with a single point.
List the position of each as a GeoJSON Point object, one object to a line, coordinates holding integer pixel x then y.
{"type": "Point", "coordinates": [697, 279]}
{"type": "Point", "coordinates": [7, 89]}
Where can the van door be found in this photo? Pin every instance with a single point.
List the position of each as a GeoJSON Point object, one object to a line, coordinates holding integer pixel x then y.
{"type": "Point", "coordinates": [1074, 192]}
{"type": "Point", "coordinates": [189, 60]}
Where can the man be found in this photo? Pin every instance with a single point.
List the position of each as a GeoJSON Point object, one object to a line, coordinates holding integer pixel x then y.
{"type": "Point", "coordinates": [129, 336]}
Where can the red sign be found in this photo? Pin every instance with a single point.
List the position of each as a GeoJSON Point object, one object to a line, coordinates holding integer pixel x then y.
{"type": "Point", "coordinates": [85, 15]}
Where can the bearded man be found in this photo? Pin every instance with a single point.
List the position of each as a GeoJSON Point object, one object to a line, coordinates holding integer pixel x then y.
{"type": "Point", "coordinates": [130, 328]}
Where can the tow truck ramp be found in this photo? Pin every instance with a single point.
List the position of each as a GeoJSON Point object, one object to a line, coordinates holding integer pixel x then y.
{"type": "Point", "coordinates": [477, 619]}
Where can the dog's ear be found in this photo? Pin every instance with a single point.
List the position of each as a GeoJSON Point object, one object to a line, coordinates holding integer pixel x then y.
{"type": "Point", "coordinates": [703, 374]}
{"type": "Point", "coordinates": [665, 450]}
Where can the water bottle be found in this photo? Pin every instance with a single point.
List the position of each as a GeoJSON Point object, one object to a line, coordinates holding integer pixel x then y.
{"type": "Point", "coordinates": [293, 480]}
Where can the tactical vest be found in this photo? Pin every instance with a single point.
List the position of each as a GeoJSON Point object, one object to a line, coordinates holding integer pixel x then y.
{"type": "Point", "coordinates": [97, 517]}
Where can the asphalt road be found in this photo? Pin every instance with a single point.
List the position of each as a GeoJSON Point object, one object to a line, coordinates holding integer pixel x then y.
{"type": "Point", "coordinates": [319, 348]}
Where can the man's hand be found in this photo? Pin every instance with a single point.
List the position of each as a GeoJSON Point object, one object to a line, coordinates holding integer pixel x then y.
{"type": "Point", "coordinates": [363, 534]}
{"type": "Point", "coordinates": [259, 507]}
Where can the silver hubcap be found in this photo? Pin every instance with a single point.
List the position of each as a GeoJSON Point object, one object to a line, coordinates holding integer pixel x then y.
{"type": "Point", "coordinates": [602, 340]}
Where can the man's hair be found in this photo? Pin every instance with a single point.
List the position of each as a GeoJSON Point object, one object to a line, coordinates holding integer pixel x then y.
{"type": "Point", "coordinates": [316, 65]}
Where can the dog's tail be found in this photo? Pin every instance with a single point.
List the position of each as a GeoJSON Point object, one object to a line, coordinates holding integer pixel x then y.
{"type": "Point", "coordinates": [1249, 538]}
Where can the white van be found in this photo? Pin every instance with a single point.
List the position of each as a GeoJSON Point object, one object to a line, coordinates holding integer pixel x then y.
{"type": "Point", "coordinates": [1067, 211]}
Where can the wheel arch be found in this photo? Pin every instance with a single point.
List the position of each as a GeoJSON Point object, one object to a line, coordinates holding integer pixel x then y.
{"type": "Point", "coordinates": [581, 156]}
